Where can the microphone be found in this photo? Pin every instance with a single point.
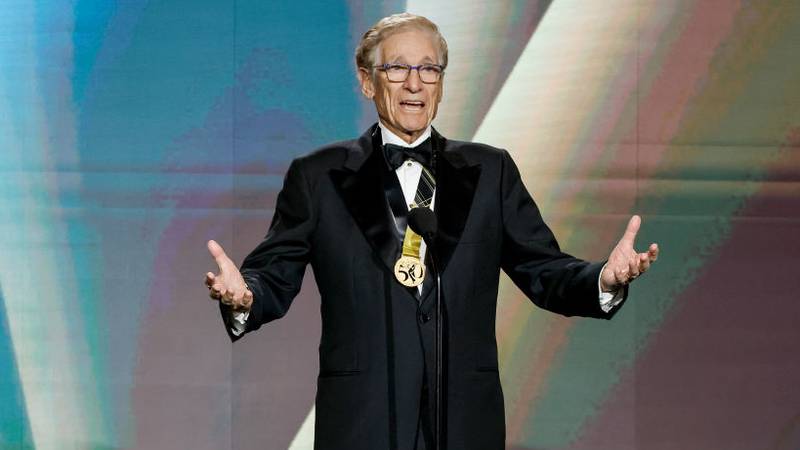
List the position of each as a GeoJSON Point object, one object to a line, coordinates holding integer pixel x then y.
{"type": "Point", "coordinates": [423, 221]}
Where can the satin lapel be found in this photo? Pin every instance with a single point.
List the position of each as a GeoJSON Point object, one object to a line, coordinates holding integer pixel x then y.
{"type": "Point", "coordinates": [360, 184]}
{"type": "Point", "coordinates": [456, 182]}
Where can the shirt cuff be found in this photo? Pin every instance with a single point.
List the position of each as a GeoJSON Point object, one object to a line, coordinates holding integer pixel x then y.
{"type": "Point", "coordinates": [239, 322]}
{"type": "Point", "coordinates": [608, 300]}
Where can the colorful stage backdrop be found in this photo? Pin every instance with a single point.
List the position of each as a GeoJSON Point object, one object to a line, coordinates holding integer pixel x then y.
{"type": "Point", "coordinates": [133, 131]}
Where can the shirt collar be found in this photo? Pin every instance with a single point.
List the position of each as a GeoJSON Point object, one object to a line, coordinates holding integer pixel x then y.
{"type": "Point", "coordinates": [391, 138]}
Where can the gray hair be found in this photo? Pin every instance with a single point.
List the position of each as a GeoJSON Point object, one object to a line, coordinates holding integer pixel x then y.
{"type": "Point", "coordinates": [367, 49]}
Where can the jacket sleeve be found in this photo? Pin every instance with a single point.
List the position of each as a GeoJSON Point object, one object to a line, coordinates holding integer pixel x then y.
{"type": "Point", "coordinates": [531, 257]}
{"type": "Point", "coordinates": [274, 270]}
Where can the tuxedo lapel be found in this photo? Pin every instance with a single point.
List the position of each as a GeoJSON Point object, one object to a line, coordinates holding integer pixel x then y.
{"type": "Point", "coordinates": [361, 185]}
{"type": "Point", "coordinates": [456, 181]}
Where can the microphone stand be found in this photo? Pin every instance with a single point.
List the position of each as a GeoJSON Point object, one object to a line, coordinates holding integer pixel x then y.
{"type": "Point", "coordinates": [438, 369]}
{"type": "Point", "coordinates": [439, 351]}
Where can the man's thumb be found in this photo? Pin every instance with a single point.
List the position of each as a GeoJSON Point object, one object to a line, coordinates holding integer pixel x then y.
{"type": "Point", "coordinates": [632, 229]}
{"type": "Point", "coordinates": [217, 252]}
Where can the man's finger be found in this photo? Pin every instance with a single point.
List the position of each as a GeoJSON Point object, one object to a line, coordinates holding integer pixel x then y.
{"type": "Point", "coordinates": [225, 297]}
{"type": "Point", "coordinates": [653, 252]}
{"type": "Point", "coordinates": [622, 276]}
{"type": "Point", "coordinates": [245, 303]}
{"type": "Point", "coordinates": [633, 268]}
{"type": "Point", "coordinates": [644, 262]}
{"type": "Point", "coordinates": [214, 291]}
{"type": "Point", "coordinates": [218, 289]}
{"type": "Point", "coordinates": [630, 231]}
{"type": "Point", "coordinates": [210, 280]}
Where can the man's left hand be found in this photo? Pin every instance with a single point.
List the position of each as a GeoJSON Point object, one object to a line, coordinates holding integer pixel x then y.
{"type": "Point", "coordinates": [625, 264]}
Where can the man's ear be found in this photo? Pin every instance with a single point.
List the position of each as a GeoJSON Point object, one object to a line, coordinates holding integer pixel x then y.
{"type": "Point", "coordinates": [365, 80]}
{"type": "Point", "coordinates": [441, 90]}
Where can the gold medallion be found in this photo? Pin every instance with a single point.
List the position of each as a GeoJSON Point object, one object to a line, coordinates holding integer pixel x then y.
{"type": "Point", "coordinates": [409, 271]}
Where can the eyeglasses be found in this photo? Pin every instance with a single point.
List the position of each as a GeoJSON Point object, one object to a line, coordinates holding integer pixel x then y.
{"type": "Point", "coordinates": [397, 73]}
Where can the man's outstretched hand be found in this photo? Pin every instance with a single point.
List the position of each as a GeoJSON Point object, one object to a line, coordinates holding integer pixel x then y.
{"type": "Point", "coordinates": [624, 264]}
{"type": "Point", "coordinates": [227, 286]}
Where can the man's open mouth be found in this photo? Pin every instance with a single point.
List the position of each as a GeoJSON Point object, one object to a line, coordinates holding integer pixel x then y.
{"type": "Point", "coordinates": [412, 104]}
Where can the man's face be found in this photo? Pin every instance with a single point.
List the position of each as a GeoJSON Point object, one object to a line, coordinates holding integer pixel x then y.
{"type": "Point", "coordinates": [406, 108]}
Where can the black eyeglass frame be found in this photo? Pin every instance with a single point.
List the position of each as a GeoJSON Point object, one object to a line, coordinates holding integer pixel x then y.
{"type": "Point", "coordinates": [439, 70]}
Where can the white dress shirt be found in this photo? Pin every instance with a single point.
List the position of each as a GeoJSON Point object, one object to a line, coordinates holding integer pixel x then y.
{"type": "Point", "coordinates": [408, 174]}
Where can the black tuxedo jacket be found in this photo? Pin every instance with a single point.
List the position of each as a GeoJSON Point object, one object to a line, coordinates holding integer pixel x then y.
{"type": "Point", "coordinates": [377, 336]}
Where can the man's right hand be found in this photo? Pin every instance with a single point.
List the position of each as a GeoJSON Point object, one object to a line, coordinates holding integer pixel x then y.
{"type": "Point", "coordinates": [227, 286]}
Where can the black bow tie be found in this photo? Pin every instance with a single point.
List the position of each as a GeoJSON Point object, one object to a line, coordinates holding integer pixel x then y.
{"type": "Point", "coordinates": [396, 155]}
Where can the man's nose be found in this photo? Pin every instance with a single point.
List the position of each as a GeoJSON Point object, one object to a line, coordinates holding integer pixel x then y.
{"type": "Point", "coordinates": [413, 83]}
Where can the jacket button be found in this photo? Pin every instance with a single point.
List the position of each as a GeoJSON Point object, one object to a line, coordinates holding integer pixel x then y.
{"type": "Point", "coordinates": [424, 318]}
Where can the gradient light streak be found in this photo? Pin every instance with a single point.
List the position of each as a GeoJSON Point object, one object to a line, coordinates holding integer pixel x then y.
{"type": "Point", "coordinates": [542, 116]}
{"type": "Point", "coordinates": [53, 356]}
{"type": "Point", "coordinates": [304, 439]}
{"type": "Point", "coordinates": [483, 43]}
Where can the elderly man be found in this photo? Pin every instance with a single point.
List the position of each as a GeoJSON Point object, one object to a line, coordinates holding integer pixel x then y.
{"type": "Point", "coordinates": [343, 209]}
